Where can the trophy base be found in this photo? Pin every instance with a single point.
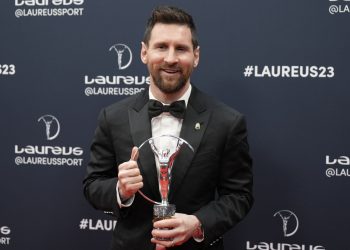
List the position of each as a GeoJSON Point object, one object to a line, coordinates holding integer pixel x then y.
{"type": "Point", "coordinates": [161, 212]}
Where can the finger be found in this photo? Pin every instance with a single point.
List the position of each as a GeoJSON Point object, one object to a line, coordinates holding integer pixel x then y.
{"type": "Point", "coordinates": [134, 154]}
{"type": "Point", "coordinates": [133, 187]}
{"type": "Point", "coordinates": [166, 223]}
{"type": "Point", "coordinates": [130, 180]}
{"type": "Point", "coordinates": [129, 188]}
{"type": "Point", "coordinates": [163, 234]}
{"type": "Point", "coordinates": [129, 173]}
{"type": "Point", "coordinates": [128, 165]}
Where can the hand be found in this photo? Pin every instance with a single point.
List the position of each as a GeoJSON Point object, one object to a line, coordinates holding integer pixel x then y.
{"type": "Point", "coordinates": [129, 176]}
{"type": "Point", "coordinates": [178, 229]}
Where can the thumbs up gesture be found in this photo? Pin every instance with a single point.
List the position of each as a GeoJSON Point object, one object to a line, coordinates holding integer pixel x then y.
{"type": "Point", "coordinates": [129, 176]}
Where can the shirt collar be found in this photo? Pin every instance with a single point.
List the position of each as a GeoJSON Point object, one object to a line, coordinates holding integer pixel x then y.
{"type": "Point", "coordinates": [185, 96]}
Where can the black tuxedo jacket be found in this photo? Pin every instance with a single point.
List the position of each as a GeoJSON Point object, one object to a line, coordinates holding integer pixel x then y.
{"type": "Point", "coordinates": [214, 183]}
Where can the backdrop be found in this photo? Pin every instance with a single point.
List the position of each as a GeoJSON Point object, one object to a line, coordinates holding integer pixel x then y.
{"type": "Point", "coordinates": [284, 64]}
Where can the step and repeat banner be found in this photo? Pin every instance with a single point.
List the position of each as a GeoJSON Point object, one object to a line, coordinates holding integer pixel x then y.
{"type": "Point", "coordinates": [284, 64]}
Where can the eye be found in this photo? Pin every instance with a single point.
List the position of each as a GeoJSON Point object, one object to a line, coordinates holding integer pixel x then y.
{"type": "Point", "coordinates": [161, 47]}
{"type": "Point", "coordinates": [182, 49]}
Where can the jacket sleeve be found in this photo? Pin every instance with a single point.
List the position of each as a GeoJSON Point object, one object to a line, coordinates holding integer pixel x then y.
{"type": "Point", "coordinates": [101, 179]}
{"type": "Point", "coordinates": [234, 187]}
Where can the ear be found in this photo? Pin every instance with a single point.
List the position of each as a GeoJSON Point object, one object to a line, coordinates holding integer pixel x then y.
{"type": "Point", "coordinates": [143, 53]}
{"type": "Point", "coordinates": [196, 53]}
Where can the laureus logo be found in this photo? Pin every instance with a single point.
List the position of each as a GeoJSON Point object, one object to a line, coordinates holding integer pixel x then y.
{"type": "Point", "coordinates": [290, 225]}
{"type": "Point", "coordinates": [290, 222]}
{"type": "Point", "coordinates": [52, 126]}
{"type": "Point", "coordinates": [124, 55]}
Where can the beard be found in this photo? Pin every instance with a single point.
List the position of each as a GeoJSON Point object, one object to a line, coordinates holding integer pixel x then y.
{"type": "Point", "coordinates": [169, 84]}
{"type": "Point", "coordinates": [169, 87]}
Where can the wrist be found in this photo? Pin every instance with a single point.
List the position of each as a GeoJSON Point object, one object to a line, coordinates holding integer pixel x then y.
{"type": "Point", "coordinates": [198, 232]}
{"type": "Point", "coordinates": [121, 194]}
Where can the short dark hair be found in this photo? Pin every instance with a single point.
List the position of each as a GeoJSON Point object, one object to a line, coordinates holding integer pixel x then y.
{"type": "Point", "coordinates": [170, 15]}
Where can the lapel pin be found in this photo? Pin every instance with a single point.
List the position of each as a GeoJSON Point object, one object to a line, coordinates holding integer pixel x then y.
{"type": "Point", "coordinates": [197, 126]}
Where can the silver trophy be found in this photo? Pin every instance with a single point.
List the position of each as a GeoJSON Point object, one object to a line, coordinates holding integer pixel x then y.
{"type": "Point", "coordinates": [165, 148]}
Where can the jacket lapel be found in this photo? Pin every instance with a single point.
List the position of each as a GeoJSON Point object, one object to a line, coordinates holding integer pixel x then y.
{"type": "Point", "coordinates": [193, 128]}
{"type": "Point", "coordinates": [140, 128]}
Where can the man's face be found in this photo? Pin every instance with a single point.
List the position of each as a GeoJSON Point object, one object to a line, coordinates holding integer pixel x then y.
{"type": "Point", "coordinates": [170, 56]}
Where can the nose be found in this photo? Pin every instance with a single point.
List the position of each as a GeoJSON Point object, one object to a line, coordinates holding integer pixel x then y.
{"type": "Point", "coordinates": [171, 56]}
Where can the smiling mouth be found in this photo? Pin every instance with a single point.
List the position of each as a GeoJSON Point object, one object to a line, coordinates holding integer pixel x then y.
{"type": "Point", "coordinates": [171, 71]}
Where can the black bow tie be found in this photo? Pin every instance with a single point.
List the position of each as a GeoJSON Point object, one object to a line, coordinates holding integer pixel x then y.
{"type": "Point", "coordinates": [177, 108]}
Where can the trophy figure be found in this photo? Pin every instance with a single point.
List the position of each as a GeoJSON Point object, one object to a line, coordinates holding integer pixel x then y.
{"type": "Point", "coordinates": [166, 157]}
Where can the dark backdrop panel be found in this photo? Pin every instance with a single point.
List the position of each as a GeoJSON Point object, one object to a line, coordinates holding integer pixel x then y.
{"type": "Point", "coordinates": [284, 64]}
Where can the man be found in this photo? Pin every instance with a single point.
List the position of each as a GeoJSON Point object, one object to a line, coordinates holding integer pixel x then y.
{"type": "Point", "coordinates": [211, 188]}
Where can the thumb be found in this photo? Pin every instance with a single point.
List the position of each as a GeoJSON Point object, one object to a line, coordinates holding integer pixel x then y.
{"type": "Point", "coordinates": [134, 154]}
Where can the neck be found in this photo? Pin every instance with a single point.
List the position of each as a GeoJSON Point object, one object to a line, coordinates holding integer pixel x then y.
{"type": "Point", "coordinates": [168, 98]}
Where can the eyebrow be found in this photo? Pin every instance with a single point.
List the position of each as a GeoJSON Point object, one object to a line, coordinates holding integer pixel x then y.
{"type": "Point", "coordinates": [182, 45]}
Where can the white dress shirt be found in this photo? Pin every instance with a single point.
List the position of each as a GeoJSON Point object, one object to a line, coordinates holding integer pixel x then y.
{"type": "Point", "coordinates": [164, 124]}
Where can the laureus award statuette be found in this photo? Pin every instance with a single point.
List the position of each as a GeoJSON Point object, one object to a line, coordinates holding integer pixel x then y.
{"type": "Point", "coordinates": [165, 148]}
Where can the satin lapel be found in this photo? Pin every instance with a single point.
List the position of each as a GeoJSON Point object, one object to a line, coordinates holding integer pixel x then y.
{"type": "Point", "coordinates": [193, 128]}
{"type": "Point", "coordinates": [140, 128]}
